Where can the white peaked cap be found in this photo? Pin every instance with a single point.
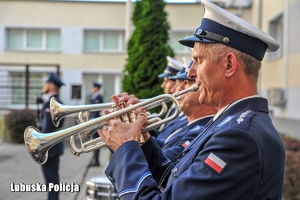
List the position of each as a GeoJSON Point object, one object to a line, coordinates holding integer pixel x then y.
{"type": "Point", "coordinates": [186, 62]}
{"type": "Point", "coordinates": [173, 66]}
{"type": "Point", "coordinates": [221, 26]}
{"type": "Point", "coordinates": [174, 63]}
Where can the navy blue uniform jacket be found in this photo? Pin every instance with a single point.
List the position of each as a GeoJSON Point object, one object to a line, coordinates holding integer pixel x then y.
{"type": "Point", "coordinates": [239, 156]}
{"type": "Point", "coordinates": [95, 100]}
{"type": "Point", "coordinates": [181, 139]}
{"type": "Point", "coordinates": [172, 148]}
{"type": "Point", "coordinates": [177, 123]}
{"type": "Point", "coordinates": [48, 127]}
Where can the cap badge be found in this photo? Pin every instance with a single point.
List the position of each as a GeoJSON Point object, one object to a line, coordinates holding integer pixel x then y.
{"type": "Point", "coordinates": [226, 40]}
{"type": "Point", "coordinates": [167, 71]}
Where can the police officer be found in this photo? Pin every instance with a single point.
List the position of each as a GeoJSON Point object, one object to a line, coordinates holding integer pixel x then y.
{"type": "Point", "coordinates": [181, 81]}
{"type": "Point", "coordinates": [95, 99]}
{"type": "Point", "coordinates": [198, 115]}
{"type": "Point", "coordinates": [173, 68]}
{"type": "Point", "coordinates": [51, 167]}
{"type": "Point", "coordinates": [239, 154]}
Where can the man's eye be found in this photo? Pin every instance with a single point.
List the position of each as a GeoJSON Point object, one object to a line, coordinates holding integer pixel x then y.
{"type": "Point", "coordinates": [197, 60]}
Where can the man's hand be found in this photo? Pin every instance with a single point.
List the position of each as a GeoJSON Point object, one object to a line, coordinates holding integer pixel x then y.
{"type": "Point", "coordinates": [119, 132]}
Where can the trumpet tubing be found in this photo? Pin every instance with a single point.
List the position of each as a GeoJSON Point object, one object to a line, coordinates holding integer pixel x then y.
{"type": "Point", "coordinates": [59, 111]}
{"type": "Point", "coordinates": [38, 144]}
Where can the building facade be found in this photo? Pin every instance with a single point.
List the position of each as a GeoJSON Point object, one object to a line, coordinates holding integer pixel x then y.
{"type": "Point", "coordinates": [85, 41]}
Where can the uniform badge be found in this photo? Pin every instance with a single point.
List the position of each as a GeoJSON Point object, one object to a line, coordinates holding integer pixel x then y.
{"type": "Point", "coordinates": [242, 116]}
{"type": "Point", "coordinates": [215, 163]}
{"type": "Point", "coordinates": [184, 145]}
{"type": "Point", "coordinates": [47, 110]}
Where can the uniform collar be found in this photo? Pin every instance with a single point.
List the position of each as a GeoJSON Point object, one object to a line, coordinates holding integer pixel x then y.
{"type": "Point", "coordinates": [95, 94]}
{"type": "Point", "coordinates": [50, 95]}
{"type": "Point", "coordinates": [232, 104]}
{"type": "Point", "coordinates": [201, 118]}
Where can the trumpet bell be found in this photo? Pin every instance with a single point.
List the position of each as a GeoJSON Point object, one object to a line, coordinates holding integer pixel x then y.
{"type": "Point", "coordinates": [57, 111]}
{"type": "Point", "coordinates": [34, 145]}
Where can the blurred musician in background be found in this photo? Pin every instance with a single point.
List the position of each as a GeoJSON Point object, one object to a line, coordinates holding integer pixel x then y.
{"type": "Point", "coordinates": [96, 98]}
{"type": "Point", "coordinates": [50, 169]}
{"type": "Point", "coordinates": [173, 67]}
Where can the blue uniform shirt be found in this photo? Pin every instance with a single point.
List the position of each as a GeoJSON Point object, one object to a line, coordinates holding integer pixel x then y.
{"type": "Point", "coordinates": [239, 156]}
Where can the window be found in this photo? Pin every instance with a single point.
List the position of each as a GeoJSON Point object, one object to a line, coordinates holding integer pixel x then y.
{"type": "Point", "coordinates": [176, 46]}
{"type": "Point", "coordinates": [33, 39]}
{"type": "Point", "coordinates": [76, 92]}
{"type": "Point", "coordinates": [104, 41]}
{"type": "Point", "coordinates": [18, 87]}
{"type": "Point", "coordinates": [276, 31]}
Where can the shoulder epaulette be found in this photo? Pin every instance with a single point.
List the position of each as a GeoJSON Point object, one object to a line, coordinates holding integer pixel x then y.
{"type": "Point", "coordinates": [240, 120]}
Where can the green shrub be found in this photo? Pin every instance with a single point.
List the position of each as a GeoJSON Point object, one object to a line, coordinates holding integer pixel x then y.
{"type": "Point", "coordinates": [16, 122]}
{"type": "Point", "coordinates": [291, 190]}
{"type": "Point", "coordinates": [2, 131]}
{"type": "Point", "coordinates": [147, 49]}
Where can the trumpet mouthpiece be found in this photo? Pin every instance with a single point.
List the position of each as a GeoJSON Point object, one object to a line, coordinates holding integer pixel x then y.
{"type": "Point", "coordinates": [194, 87]}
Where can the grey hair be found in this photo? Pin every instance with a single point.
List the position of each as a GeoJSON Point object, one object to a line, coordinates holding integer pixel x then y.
{"type": "Point", "coordinates": [250, 64]}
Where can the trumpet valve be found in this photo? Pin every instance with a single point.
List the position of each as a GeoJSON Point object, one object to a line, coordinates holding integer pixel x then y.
{"type": "Point", "coordinates": [124, 117]}
{"type": "Point", "coordinates": [132, 115]}
{"type": "Point", "coordinates": [114, 108]}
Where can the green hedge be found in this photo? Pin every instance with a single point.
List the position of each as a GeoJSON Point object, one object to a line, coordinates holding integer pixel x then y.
{"type": "Point", "coordinates": [2, 130]}
{"type": "Point", "coordinates": [15, 122]}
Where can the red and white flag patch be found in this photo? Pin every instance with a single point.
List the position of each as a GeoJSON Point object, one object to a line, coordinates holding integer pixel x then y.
{"type": "Point", "coordinates": [184, 145]}
{"type": "Point", "coordinates": [215, 162]}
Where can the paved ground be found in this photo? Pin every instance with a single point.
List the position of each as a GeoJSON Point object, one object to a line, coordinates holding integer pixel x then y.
{"type": "Point", "coordinates": [16, 166]}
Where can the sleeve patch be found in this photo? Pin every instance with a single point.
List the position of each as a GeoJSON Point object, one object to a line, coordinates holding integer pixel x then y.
{"type": "Point", "coordinates": [215, 163]}
{"type": "Point", "coordinates": [184, 145]}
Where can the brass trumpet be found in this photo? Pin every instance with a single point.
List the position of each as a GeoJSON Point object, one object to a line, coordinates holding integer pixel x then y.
{"type": "Point", "coordinates": [38, 144]}
{"type": "Point", "coordinates": [59, 111]}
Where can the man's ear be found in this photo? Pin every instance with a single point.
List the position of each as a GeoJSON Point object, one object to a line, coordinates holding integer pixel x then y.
{"type": "Point", "coordinates": [230, 64]}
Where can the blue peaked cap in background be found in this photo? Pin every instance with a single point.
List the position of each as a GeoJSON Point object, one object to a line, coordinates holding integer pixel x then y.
{"type": "Point", "coordinates": [182, 75]}
{"type": "Point", "coordinates": [95, 84]}
{"type": "Point", "coordinates": [221, 26]}
{"type": "Point", "coordinates": [172, 68]}
{"type": "Point", "coordinates": [55, 80]}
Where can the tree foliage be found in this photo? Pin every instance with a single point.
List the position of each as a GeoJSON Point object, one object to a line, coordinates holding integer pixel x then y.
{"type": "Point", "coordinates": [147, 49]}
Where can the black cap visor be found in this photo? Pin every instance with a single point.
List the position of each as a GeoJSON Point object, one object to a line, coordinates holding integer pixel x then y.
{"type": "Point", "coordinates": [190, 41]}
